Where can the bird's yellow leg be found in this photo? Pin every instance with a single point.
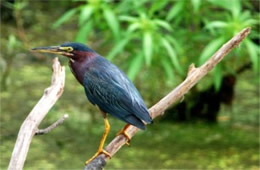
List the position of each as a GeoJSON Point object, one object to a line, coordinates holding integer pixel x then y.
{"type": "Point", "coordinates": [123, 132]}
{"type": "Point", "coordinates": [101, 145]}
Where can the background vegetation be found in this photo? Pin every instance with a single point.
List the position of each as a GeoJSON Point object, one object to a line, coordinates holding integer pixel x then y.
{"type": "Point", "coordinates": [154, 42]}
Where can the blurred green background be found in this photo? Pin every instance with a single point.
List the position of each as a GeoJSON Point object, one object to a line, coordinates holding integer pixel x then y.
{"type": "Point", "coordinates": [216, 126]}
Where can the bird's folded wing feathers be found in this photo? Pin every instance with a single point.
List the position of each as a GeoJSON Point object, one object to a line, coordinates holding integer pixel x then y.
{"type": "Point", "coordinates": [104, 90]}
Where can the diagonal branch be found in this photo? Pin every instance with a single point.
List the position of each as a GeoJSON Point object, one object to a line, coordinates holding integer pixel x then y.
{"type": "Point", "coordinates": [33, 120]}
{"type": "Point", "coordinates": [194, 75]}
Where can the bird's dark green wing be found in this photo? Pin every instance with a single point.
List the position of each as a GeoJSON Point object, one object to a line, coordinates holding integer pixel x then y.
{"type": "Point", "coordinates": [110, 89]}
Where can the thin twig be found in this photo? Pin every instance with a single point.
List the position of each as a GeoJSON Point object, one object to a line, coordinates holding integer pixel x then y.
{"type": "Point", "coordinates": [194, 75]}
{"type": "Point", "coordinates": [53, 126]}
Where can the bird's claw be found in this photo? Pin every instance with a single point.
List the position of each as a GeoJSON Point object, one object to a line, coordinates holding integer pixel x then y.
{"type": "Point", "coordinates": [101, 151]}
{"type": "Point", "coordinates": [123, 132]}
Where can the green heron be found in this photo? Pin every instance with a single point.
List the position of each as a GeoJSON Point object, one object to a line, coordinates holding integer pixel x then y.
{"type": "Point", "coordinates": [105, 86]}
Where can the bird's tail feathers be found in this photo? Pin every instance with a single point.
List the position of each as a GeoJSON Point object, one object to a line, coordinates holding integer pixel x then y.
{"type": "Point", "coordinates": [133, 120]}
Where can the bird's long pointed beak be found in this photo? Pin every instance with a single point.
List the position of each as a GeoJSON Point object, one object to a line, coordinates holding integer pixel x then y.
{"type": "Point", "coordinates": [52, 49]}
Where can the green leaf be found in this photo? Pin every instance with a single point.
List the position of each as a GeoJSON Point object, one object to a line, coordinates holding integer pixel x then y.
{"type": "Point", "coordinates": [250, 22]}
{"type": "Point", "coordinates": [216, 24]}
{"type": "Point", "coordinates": [210, 49]}
{"type": "Point", "coordinates": [19, 5]}
{"type": "Point", "coordinates": [157, 6]}
{"type": "Point", "coordinates": [12, 43]}
{"type": "Point", "coordinates": [221, 3]}
{"type": "Point", "coordinates": [112, 21]}
{"type": "Point", "coordinates": [245, 16]}
{"type": "Point", "coordinates": [168, 69]}
{"type": "Point", "coordinates": [138, 4]}
{"type": "Point", "coordinates": [118, 47]}
{"type": "Point", "coordinates": [172, 55]}
{"type": "Point", "coordinates": [217, 76]}
{"type": "Point", "coordinates": [148, 47]}
{"type": "Point", "coordinates": [127, 18]}
{"type": "Point", "coordinates": [135, 66]}
{"type": "Point", "coordinates": [163, 24]}
{"type": "Point", "coordinates": [175, 10]}
{"type": "Point", "coordinates": [175, 43]}
{"type": "Point", "coordinates": [253, 51]}
{"type": "Point", "coordinates": [196, 5]}
{"type": "Point", "coordinates": [85, 13]}
{"type": "Point", "coordinates": [83, 32]}
{"type": "Point", "coordinates": [234, 6]}
{"type": "Point", "coordinates": [133, 27]}
{"type": "Point", "coordinates": [65, 17]}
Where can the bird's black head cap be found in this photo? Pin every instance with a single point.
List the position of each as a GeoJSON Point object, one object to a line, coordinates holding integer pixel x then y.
{"type": "Point", "coordinates": [77, 46]}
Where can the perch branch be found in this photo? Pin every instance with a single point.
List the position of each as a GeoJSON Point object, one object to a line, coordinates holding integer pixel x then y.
{"type": "Point", "coordinates": [40, 110]}
{"type": "Point", "coordinates": [194, 75]}
{"type": "Point", "coordinates": [53, 126]}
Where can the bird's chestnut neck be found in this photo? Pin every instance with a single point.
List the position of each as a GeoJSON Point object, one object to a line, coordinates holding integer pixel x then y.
{"type": "Point", "coordinates": [79, 62]}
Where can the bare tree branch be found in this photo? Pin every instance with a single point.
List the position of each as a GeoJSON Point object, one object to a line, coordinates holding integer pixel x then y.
{"type": "Point", "coordinates": [33, 120]}
{"type": "Point", "coordinates": [194, 75]}
{"type": "Point", "coordinates": [53, 126]}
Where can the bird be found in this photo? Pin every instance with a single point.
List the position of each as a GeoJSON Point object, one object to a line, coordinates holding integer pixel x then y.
{"type": "Point", "coordinates": [106, 86]}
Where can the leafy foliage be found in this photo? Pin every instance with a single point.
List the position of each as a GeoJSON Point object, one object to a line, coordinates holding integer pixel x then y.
{"type": "Point", "coordinates": [90, 14]}
{"type": "Point", "coordinates": [153, 31]}
{"type": "Point", "coordinates": [236, 20]}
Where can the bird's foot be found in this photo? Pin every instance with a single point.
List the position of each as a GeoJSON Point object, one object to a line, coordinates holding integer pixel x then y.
{"type": "Point", "coordinates": [123, 132]}
{"type": "Point", "coordinates": [100, 151]}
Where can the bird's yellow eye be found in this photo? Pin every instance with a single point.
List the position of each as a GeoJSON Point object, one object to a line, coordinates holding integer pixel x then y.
{"type": "Point", "coordinates": [67, 49]}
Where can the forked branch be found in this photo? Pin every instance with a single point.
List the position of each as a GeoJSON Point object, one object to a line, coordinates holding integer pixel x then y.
{"type": "Point", "coordinates": [193, 76]}
{"type": "Point", "coordinates": [33, 120]}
